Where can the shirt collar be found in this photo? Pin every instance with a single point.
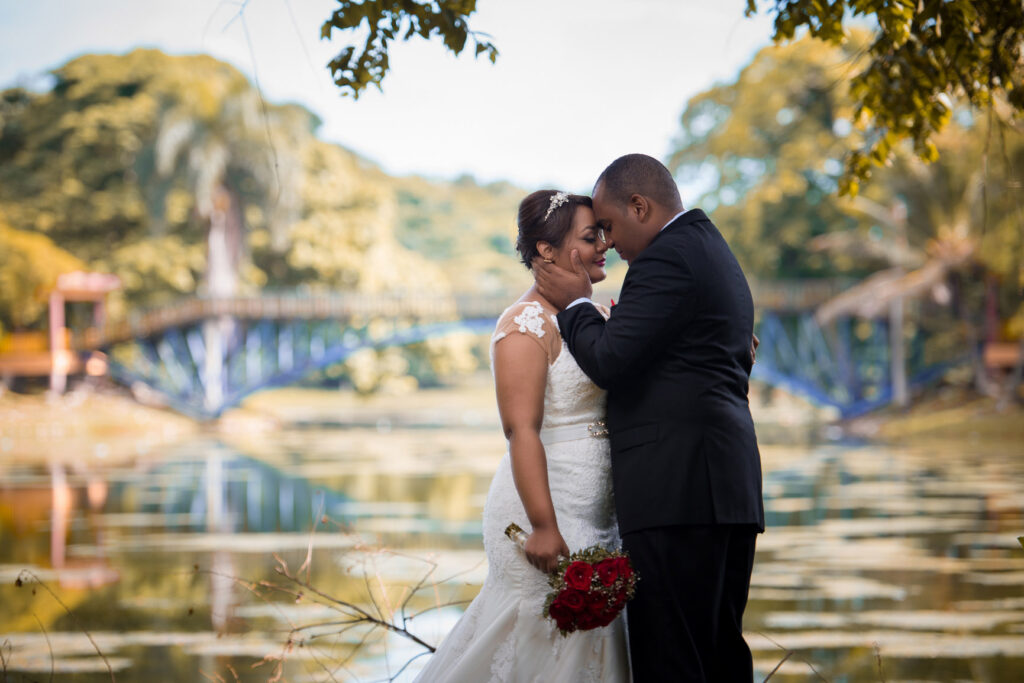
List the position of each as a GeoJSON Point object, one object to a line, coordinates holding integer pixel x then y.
{"type": "Point", "coordinates": [673, 219]}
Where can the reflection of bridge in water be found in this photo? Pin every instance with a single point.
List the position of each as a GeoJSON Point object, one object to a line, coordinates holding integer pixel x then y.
{"type": "Point", "coordinates": [206, 355]}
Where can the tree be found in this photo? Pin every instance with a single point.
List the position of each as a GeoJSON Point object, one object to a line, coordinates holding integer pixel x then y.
{"type": "Point", "coordinates": [31, 265]}
{"type": "Point", "coordinates": [769, 146]}
{"type": "Point", "coordinates": [946, 233]}
{"type": "Point", "coordinates": [354, 70]}
{"type": "Point", "coordinates": [129, 161]}
{"type": "Point", "coordinates": [926, 54]}
{"type": "Point", "coordinates": [154, 167]}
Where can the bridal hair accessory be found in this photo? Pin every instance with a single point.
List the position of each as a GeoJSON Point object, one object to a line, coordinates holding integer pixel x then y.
{"type": "Point", "coordinates": [589, 588]}
{"type": "Point", "coordinates": [557, 199]}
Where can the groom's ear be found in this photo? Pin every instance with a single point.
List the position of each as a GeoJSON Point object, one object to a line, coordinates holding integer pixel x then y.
{"type": "Point", "coordinates": [640, 207]}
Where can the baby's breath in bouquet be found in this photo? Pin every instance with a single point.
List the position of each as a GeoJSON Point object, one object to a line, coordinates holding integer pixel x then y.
{"type": "Point", "coordinates": [588, 589]}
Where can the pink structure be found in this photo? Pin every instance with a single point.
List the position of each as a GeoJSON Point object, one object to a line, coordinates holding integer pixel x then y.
{"type": "Point", "coordinates": [74, 287]}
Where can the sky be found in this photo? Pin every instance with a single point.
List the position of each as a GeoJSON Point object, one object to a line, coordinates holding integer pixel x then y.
{"type": "Point", "coordinates": [577, 82]}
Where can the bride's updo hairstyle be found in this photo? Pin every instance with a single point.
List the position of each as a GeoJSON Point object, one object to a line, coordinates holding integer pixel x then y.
{"type": "Point", "coordinates": [544, 218]}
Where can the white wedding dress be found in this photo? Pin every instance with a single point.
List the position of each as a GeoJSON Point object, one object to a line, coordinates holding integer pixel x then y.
{"type": "Point", "coordinates": [503, 635]}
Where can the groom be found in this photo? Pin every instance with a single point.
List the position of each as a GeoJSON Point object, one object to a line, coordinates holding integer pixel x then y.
{"type": "Point", "coordinates": [675, 357]}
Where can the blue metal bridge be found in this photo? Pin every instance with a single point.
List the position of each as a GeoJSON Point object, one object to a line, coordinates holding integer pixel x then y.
{"type": "Point", "coordinates": [204, 356]}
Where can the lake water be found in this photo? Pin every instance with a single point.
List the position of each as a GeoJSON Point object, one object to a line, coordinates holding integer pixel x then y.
{"type": "Point", "coordinates": [880, 563]}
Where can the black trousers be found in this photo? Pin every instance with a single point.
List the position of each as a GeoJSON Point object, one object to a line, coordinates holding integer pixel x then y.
{"type": "Point", "coordinates": [686, 620]}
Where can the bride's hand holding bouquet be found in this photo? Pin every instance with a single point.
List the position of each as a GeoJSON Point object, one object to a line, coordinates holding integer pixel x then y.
{"type": "Point", "coordinates": [589, 587]}
{"type": "Point", "coordinates": [545, 547]}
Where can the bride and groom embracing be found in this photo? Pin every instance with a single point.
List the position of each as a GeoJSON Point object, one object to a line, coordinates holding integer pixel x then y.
{"type": "Point", "coordinates": [627, 427]}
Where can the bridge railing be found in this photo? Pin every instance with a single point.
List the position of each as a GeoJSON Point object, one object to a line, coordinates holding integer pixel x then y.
{"type": "Point", "coordinates": [275, 306]}
{"type": "Point", "coordinates": [797, 295]}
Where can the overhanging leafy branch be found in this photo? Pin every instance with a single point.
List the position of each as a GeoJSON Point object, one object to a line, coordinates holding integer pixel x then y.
{"type": "Point", "coordinates": [355, 68]}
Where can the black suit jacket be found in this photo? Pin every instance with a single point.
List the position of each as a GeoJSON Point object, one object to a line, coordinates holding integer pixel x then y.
{"type": "Point", "coordinates": [675, 359]}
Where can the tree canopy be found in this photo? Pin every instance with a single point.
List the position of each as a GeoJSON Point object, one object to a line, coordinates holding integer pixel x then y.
{"type": "Point", "coordinates": [924, 56]}
{"type": "Point", "coordinates": [31, 266]}
{"type": "Point", "coordinates": [768, 148]}
{"type": "Point", "coordinates": [128, 162]}
{"type": "Point", "coordinates": [355, 68]}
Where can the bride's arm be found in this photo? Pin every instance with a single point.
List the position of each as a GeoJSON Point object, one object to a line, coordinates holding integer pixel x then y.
{"type": "Point", "coordinates": [520, 372]}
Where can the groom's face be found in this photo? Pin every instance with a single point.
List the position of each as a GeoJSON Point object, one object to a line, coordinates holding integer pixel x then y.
{"type": "Point", "coordinates": [621, 227]}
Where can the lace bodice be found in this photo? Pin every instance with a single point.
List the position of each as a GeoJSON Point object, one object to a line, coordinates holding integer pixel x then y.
{"type": "Point", "coordinates": [569, 396]}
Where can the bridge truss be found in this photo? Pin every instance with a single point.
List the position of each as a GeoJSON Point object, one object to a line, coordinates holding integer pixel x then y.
{"type": "Point", "coordinates": [204, 356]}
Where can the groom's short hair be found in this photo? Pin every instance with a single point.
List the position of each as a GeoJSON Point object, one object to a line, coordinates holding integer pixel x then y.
{"type": "Point", "coordinates": [639, 174]}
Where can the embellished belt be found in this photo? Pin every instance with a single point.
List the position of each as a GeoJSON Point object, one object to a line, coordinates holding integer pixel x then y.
{"type": "Point", "coordinates": [596, 429]}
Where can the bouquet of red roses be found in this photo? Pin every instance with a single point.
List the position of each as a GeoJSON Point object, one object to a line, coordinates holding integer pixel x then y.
{"type": "Point", "coordinates": [589, 588]}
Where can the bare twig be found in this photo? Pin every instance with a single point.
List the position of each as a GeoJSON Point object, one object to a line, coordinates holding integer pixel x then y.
{"type": "Point", "coordinates": [416, 588]}
{"type": "Point", "coordinates": [406, 665]}
{"type": "Point", "coordinates": [434, 607]}
{"type": "Point", "coordinates": [379, 617]}
{"type": "Point", "coordinates": [786, 649]}
{"type": "Point", "coordinates": [49, 647]}
{"type": "Point", "coordinates": [252, 588]}
{"type": "Point", "coordinates": [3, 659]}
{"type": "Point", "coordinates": [323, 666]}
{"type": "Point", "coordinates": [263, 102]}
{"type": "Point", "coordinates": [31, 575]}
{"type": "Point", "coordinates": [878, 659]}
{"type": "Point", "coordinates": [379, 621]}
{"type": "Point", "coordinates": [307, 564]}
{"type": "Point", "coordinates": [778, 666]}
{"type": "Point", "coordinates": [317, 75]}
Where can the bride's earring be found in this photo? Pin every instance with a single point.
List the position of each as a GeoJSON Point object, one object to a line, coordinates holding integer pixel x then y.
{"type": "Point", "coordinates": [549, 260]}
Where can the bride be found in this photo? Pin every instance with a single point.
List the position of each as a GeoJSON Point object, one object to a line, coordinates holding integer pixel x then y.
{"type": "Point", "coordinates": [554, 480]}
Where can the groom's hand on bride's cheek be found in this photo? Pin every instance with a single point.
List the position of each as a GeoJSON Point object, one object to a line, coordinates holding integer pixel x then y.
{"type": "Point", "coordinates": [560, 286]}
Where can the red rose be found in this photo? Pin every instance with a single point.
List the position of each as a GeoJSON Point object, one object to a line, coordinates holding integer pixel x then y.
{"type": "Point", "coordinates": [607, 617]}
{"type": "Point", "coordinates": [607, 571]}
{"type": "Point", "coordinates": [587, 621]}
{"type": "Point", "coordinates": [624, 567]}
{"type": "Point", "coordinates": [578, 575]}
{"type": "Point", "coordinates": [561, 614]}
{"type": "Point", "coordinates": [574, 600]}
{"type": "Point", "coordinates": [596, 602]}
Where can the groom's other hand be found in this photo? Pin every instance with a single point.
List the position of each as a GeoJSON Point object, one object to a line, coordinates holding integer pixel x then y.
{"type": "Point", "coordinates": [560, 286]}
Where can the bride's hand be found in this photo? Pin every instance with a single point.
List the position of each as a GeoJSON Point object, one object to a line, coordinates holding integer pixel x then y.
{"type": "Point", "coordinates": [543, 548]}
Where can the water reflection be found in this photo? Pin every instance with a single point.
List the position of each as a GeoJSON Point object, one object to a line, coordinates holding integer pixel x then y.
{"type": "Point", "coordinates": [904, 556]}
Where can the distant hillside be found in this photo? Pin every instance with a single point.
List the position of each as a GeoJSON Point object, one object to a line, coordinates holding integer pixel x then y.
{"type": "Point", "coordinates": [128, 162]}
{"type": "Point", "coordinates": [170, 172]}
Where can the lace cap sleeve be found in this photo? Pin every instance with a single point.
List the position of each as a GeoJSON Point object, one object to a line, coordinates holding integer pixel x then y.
{"type": "Point", "coordinates": [530, 318]}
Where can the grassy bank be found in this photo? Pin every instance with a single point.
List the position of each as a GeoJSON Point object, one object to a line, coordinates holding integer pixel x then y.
{"type": "Point", "coordinates": [84, 426]}
{"type": "Point", "coordinates": [946, 415]}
